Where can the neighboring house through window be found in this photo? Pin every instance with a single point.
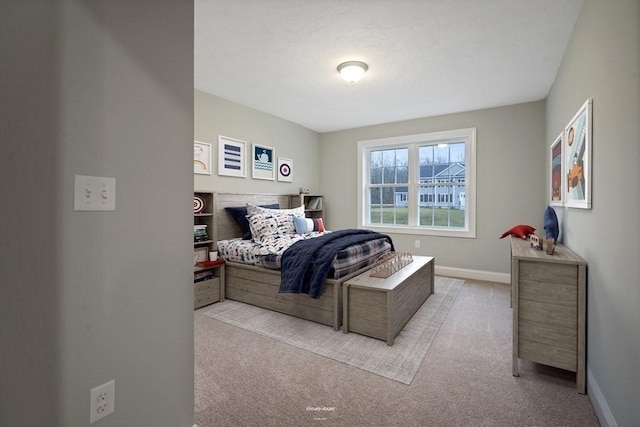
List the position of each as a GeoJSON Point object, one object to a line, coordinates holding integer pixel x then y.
{"type": "Point", "coordinates": [418, 184]}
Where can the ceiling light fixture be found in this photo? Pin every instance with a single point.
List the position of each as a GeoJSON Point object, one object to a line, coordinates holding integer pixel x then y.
{"type": "Point", "coordinates": [352, 71]}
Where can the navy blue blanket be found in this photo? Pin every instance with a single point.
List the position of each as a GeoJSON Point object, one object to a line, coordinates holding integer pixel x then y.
{"type": "Point", "coordinates": [306, 264]}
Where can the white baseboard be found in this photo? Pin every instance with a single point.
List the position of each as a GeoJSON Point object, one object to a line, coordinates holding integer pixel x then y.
{"type": "Point", "coordinates": [600, 405]}
{"type": "Point", "coordinates": [465, 273]}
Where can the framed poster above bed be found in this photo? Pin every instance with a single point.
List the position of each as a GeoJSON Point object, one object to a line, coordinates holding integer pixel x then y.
{"type": "Point", "coordinates": [201, 158]}
{"type": "Point", "coordinates": [231, 157]}
{"type": "Point", "coordinates": [285, 169]}
{"type": "Point", "coordinates": [263, 162]}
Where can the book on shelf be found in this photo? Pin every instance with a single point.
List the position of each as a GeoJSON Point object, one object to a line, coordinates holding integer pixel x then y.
{"type": "Point", "coordinates": [314, 203]}
{"type": "Point", "coordinates": [200, 234]}
{"type": "Point", "coordinates": [202, 276]}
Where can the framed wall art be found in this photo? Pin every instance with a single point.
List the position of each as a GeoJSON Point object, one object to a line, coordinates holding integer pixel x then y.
{"type": "Point", "coordinates": [285, 169]}
{"type": "Point", "coordinates": [577, 158]}
{"type": "Point", "coordinates": [231, 157]}
{"type": "Point", "coordinates": [200, 254]}
{"type": "Point", "coordinates": [263, 162]}
{"type": "Point", "coordinates": [556, 161]}
{"type": "Point", "coordinates": [201, 158]}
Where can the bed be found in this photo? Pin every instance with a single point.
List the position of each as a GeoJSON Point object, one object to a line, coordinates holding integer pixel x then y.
{"type": "Point", "coordinates": [255, 284]}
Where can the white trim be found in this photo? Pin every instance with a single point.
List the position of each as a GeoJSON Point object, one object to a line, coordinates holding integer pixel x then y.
{"type": "Point", "coordinates": [406, 229]}
{"type": "Point", "coordinates": [599, 402]}
{"type": "Point", "coordinates": [465, 273]}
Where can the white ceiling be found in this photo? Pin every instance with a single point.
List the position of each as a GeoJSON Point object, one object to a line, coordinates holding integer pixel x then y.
{"type": "Point", "coordinates": [425, 57]}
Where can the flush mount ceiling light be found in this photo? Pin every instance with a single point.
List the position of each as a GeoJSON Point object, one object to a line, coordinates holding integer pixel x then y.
{"type": "Point", "coordinates": [352, 71]}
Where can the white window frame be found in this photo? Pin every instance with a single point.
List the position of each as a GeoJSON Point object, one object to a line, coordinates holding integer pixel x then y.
{"type": "Point", "coordinates": [364, 147]}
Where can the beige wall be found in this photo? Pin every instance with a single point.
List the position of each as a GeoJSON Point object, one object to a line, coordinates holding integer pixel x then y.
{"type": "Point", "coordinates": [216, 116]}
{"type": "Point", "coordinates": [510, 170]}
{"type": "Point", "coordinates": [602, 62]}
{"type": "Point", "coordinates": [100, 88]}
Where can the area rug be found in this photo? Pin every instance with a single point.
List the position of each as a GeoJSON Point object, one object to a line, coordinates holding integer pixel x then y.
{"type": "Point", "coordinates": [399, 362]}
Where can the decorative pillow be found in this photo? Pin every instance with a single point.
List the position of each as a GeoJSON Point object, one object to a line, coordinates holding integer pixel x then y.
{"type": "Point", "coordinates": [551, 228]}
{"type": "Point", "coordinates": [307, 225]}
{"type": "Point", "coordinates": [253, 209]}
{"type": "Point", "coordinates": [239, 214]}
{"type": "Point", "coordinates": [270, 224]}
{"type": "Point", "coordinates": [521, 231]}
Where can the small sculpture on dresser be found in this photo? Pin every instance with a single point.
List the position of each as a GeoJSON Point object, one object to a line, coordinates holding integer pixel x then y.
{"type": "Point", "coordinates": [535, 242]}
{"type": "Point", "coordinates": [550, 246]}
{"type": "Point", "coordinates": [390, 263]}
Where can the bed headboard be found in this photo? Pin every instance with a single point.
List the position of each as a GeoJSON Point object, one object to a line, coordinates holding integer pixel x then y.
{"type": "Point", "coordinates": [224, 226]}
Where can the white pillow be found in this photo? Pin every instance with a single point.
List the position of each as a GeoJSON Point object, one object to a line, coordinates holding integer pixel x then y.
{"type": "Point", "coordinates": [270, 224]}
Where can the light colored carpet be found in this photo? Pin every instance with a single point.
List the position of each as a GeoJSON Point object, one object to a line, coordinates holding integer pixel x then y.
{"type": "Point", "coordinates": [399, 362]}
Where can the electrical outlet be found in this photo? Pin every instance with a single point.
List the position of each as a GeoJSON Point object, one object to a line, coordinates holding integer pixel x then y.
{"type": "Point", "coordinates": [102, 401]}
{"type": "Point", "coordinates": [417, 243]}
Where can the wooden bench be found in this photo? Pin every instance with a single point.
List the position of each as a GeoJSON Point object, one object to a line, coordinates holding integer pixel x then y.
{"type": "Point", "coordinates": [380, 308]}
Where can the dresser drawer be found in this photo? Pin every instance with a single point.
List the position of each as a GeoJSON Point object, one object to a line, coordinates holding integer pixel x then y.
{"type": "Point", "coordinates": [552, 314]}
{"type": "Point", "coordinates": [545, 333]}
{"type": "Point", "coordinates": [548, 272]}
{"type": "Point", "coordinates": [550, 355]}
{"type": "Point", "coordinates": [552, 293]}
{"type": "Point", "coordinates": [206, 292]}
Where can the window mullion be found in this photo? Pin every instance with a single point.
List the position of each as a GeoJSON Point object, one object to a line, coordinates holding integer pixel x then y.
{"type": "Point", "coordinates": [413, 189]}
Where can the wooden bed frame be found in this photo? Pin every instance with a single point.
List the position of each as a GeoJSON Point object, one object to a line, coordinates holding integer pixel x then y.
{"type": "Point", "coordinates": [259, 286]}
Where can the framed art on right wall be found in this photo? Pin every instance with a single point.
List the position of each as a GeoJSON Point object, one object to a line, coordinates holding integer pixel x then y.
{"type": "Point", "coordinates": [577, 158]}
{"type": "Point", "coordinates": [556, 191]}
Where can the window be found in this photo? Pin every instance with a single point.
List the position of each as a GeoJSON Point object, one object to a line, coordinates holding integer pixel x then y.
{"type": "Point", "coordinates": [418, 184]}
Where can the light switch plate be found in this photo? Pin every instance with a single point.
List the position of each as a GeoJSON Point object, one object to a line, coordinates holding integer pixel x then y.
{"type": "Point", "coordinates": [94, 193]}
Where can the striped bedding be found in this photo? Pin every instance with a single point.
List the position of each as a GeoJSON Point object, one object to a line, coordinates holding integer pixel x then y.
{"type": "Point", "coordinates": [346, 261]}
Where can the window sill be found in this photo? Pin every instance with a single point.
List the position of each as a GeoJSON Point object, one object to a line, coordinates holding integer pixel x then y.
{"type": "Point", "coordinates": [440, 232]}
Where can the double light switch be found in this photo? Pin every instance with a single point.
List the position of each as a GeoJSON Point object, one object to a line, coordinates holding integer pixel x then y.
{"type": "Point", "coordinates": [94, 193]}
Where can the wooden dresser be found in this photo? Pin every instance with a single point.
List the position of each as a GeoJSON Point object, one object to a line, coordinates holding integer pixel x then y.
{"type": "Point", "coordinates": [548, 299]}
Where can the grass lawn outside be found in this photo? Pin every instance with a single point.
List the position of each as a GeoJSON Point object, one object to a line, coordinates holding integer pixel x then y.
{"type": "Point", "coordinates": [429, 216]}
